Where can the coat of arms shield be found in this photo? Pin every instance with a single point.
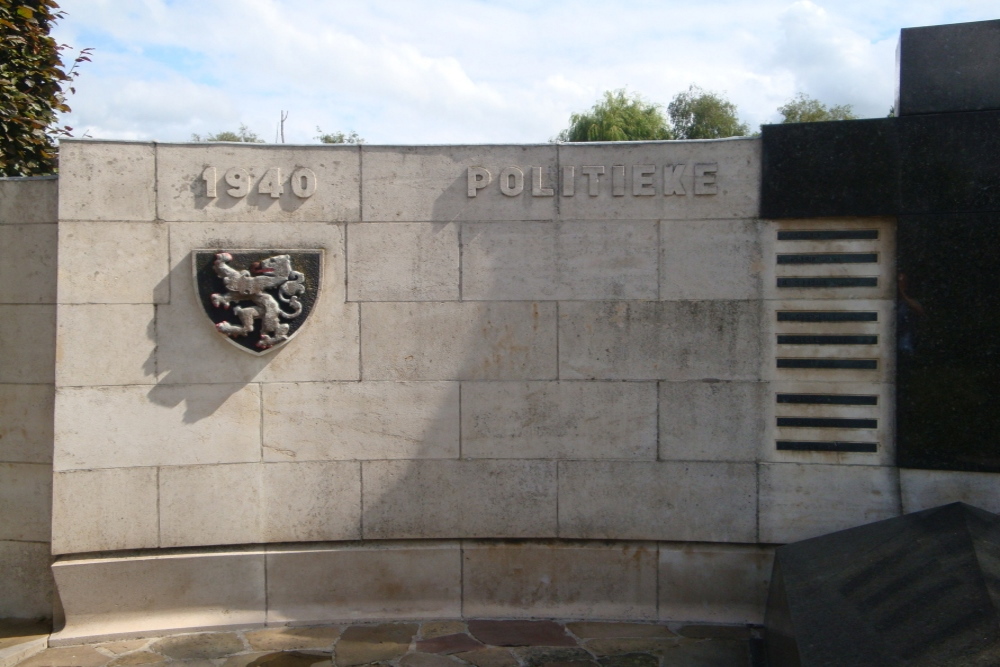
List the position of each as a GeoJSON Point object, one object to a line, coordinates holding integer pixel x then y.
{"type": "Point", "coordinates": [258, 299]}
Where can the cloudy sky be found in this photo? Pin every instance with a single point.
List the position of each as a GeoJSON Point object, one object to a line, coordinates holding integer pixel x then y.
{"type": "Point", "coordinates": [468, 71]}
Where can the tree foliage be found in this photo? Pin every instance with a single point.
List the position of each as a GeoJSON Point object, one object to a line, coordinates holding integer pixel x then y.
{"type": "Point", "coordinates": [700, 114]}
{"type": "Point", "coordinates": [339, 137]}
{"type": "Point", "coordinates": [618, 117]}
{"type": "Point", "coordinates": [32, 76]}
{"type": "Point", "coordinates": [805, 109]}
{"type": "Point", "coordinates": [242, 135]}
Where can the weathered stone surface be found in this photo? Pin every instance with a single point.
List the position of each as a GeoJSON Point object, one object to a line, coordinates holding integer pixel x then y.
{"type": "Point", "coordinates": [552, 261]}
{"type": "Point", "coordinates": [25, 501]}
{"type": "Point", "coordinates": [233, 492]}
{"type": "Point", "coordinates": [137, 658]}
{"type": "Point", "coordinates": [33, 200]}
{"type": "Point", "coordinates": [489, 657]}
{"type": "Point", "coordinates": [287, 639]}
{"type": "Point", "coordinates": [28, 275]}
{"type": "Point", "coordinates": [630, 660]}
{"type": "Point", "coordinates": [124, 262]}
{"type": "Point", "coordinates": [802, 501]}
{"type": "Point", "coordinates": [626, 645]}
{"type": "Point", "coordinates": [207, 645]}
{"type": "Point", "coordinates": [123, 646]}
{"type": "Point", "coordinates": [293, 659]}
{"type": "Point", "coordinates": [605, 630]}
{"type": "Point", "coordinates": [559, 420]}
{"type": "Point", "coordinates": [98, 427]}
{"type": "Point", "coordinates": [128, 329]}
{"type": "Point", "coordinates": [405, 261]}
{"type": "Point", "coordinates": [182, 193]}
{"type": "Point", "coordinates": [649, 340]}
{"type": "Point", "coordinates": [311, 501]}
{"type": "Point", "coordinates": [26, 422]}
{"type": "Point", "coordinates": [709, 653]}
{"type": "Point", "coordinates": [106, 180]}
{"type": "Point", "coordinates": [658, 500]}
{"type": "Point", "coordinates": [27, 364]}
{"type": "Point", "coordinates": [432, 629]}
{"type": "Point", "coordinates": [520, 633]}
{"type": "Point", "coordinates": [459, 341]}
{"type": "Point", "coordinates": [419, 580]}
{"type": "Point", "coordinates": [924, 489]}
{"type": "Point", "coordinates": [28, 581]}
{"type": "Point", "coordinates": [69, 656]}
{"type": "Point", "coordinates": [559, 581]}
{"type": "Point", "coordinates": [536, 656]}
{"type": "Point", "coordinates": [427, 660]}
{"type": "Point", "coordinates": [712, 421]}
{"type": "Point", "coordinates": [715, 631]}
{"type": "Point", "coordinates": [361, 644]}
{"type": "Point", "coordinates": [734, 272]}
{"type": "Point", "coordinates": [366, 420]}
{"type": "Point", "coordinates": [418, 499]}
{"type": "Point", "coordinates": [89, 514]}
{"type": "Point", "coordinates": [448, 644]}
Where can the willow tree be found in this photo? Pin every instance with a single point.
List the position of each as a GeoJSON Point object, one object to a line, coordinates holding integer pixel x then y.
{"type": "Point", "coordinates": [805, 109]}
{"type": "Point", "coordinates": [618, 116]}
{"type": "Point", "coordinates": [700, 114]}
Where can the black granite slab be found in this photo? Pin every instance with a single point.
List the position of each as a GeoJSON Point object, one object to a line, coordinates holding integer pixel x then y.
{"type": "Point", "coordinates": [946, 68]}
{"type": "Point", "coordinates": [948, 342]}
{"type": "Point", "coordinates": [921, 589]}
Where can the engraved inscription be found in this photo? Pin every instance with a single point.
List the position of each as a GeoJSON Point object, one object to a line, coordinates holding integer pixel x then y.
{"type": "Point", "coordinates": [240, 182]}
{"type": "Point", "coordinates": [639, 180]}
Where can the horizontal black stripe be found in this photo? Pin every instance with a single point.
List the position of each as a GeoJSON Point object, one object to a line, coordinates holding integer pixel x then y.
{"type": "Point", "coordinates": [828, 235]}
{"type": "Point", "coordinates": [822, 339]}
{"type": "Point", "coordinates": [828, 281]}
{"type": "Point", "coordinates": [829, 258]}
{"type": "Point", "coordinates": [827, 399]}
{"type": "Point", "coordinates": [827, 422]}
{"type": "Point", "coordinates": [827, 316]}
{"type": "Point", "coordinates": [834, 446]}
{"type": "Point", "coordinates": [856, 364]}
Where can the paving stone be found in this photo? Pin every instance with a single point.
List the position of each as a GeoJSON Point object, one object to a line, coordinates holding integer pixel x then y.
{"type": "Point", "coordinates": [520, 633]}
{"type": "Point", "coordinates": [287, 639]}
{"type": "Point", "coordinates": [535, 656]}
{"type": "Point", "coordinates": [362, 644]}
{"type": "Point", "coordinates": [427, 660]}
{"type": "Point", "coordinates": [293, 659]}
{"type": "Point", "coordinates": [440, 628]}
{"type": "Point", "coordinates": [630, 660]}
{"type": "Point", "coordinates": [137, 658]}
{"type": "Point", "coordinates": [448, 644]}
{"type": "Point", "coordinates": [205, 646]}
{"type": "Point", "coordinates": [622, 645]}
{"type": "Point", "coordinates": [715, 632]}
{"type": "Point", "coordinates": [708, 654]}
{"type": "Point", "coordinates": [69, 656]}
{"type": "Point", "coordinates": [123, 646]}
{"type": "Point", "coordinates": [244, 659]}
{"type": "Point", "coordinates": [491, 656]}
{"type": "Point", "coordinates": [597, 630]}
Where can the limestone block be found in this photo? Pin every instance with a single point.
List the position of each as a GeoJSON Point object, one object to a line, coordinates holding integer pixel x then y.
{"type": "Point", "coordinates": [459, 341]}
{"type": "Point", "coordinates": [404, 261]}
{"type": "Point", "coordinates": [559, 420]}
{"type": "Point", "coordinates": [26, 422]}
{"type": "Point", "coordinates": [128, 331]}
{"type": "Point", "coordinates": [27, 344]}
{"type": "Point", "coordinates": [547, 261]}
{"type": "Point", "coordinates": [719, 179]}
{"type": "Point", "coordinates": [128, 426]}
{"type": "Point", "coordinates": [28, 269]}
{"type": "Point", "coordinates": [417, 183]}
{"type": "Point", "coordinates": [711, 259]}
{"type": "Point", "coordinates": [452, 499]}
{"type": "Point", "coordinates": [411, 580]}
{"type": "Point", "coordinates": [667, 340]}
{"type": "Point", "coordinates": [802, 501]}
{"type": "Point", "coordinates": [924, 489]}
{"type": "Point", "coordinates": [311, 501]}
{"type": "Point", "coordinates": [665, 500]}
{"type": "Point", "coordinates": [366, 420]}
{"type": "Point", "coordinates": [711, 421]}
{"type": "Point", "coordinates": [25, 501]}
{"type": "Point", "coordinates": [715, 583]}
{"type": "Point", "coordinates": [191, 350]}
{"type": "Point", "coordinates": [113, 262]}
{"type": "Point", "coordinates": [135, 595]}
{"type": "Point", "coordinates": [211, 504]}
{"type": "Point", "coordinates": [313, 183]}
{"type": "Point", "coordinates": [104, 510]}
{"type": "Point", "coordinates": [559, 580]}
{"type": "Point", "coordinates": [30, 200]}
{"type": "Point", "coordinates": [106, 180]}
{"type": "Point", "coordinates": [27, 590]}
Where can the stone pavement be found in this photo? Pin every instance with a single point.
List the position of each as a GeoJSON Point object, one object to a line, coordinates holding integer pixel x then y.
{"type": "Point", "coordinates": [480, 643]}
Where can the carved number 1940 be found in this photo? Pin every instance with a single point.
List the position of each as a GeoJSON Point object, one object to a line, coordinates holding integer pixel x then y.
{"type": "Point", "coordinates": [302, 182]}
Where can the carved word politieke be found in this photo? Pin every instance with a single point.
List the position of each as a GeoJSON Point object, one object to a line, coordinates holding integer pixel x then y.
{"type": "Point", "coordinates": [646, 180]}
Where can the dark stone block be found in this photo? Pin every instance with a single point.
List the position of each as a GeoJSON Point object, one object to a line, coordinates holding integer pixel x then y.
{"type": "Point", "coordinates": [918, 589]}
{"type": "Point", "coordinates": [946, 68]}
{"type": "Point", "coordinates": [949, 162]}
{"type": "Point", "coordinates": [948, 350]}
{"type": "Point", "coordinates": [520, 633]}
{"type": "Point", "coordinates": [830, 169]}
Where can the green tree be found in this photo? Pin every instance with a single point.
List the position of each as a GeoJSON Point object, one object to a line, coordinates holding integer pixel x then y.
{"type": "Point", "coordinates": [618, 117]}
{"type": "Point", "coordinates": [339, 137]}
{"type": "Point", "coordinates": [700, 114]}
{"type": "Point", "coordinates": [805, 109]}
{"type": "Point", "coordinates": [32, 76]}
{"type": "Point", "coordinates": [243, 135]}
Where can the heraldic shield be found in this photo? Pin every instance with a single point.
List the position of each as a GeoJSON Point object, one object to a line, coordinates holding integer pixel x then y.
{"type": "Point", "coordinates": [258, 299]}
